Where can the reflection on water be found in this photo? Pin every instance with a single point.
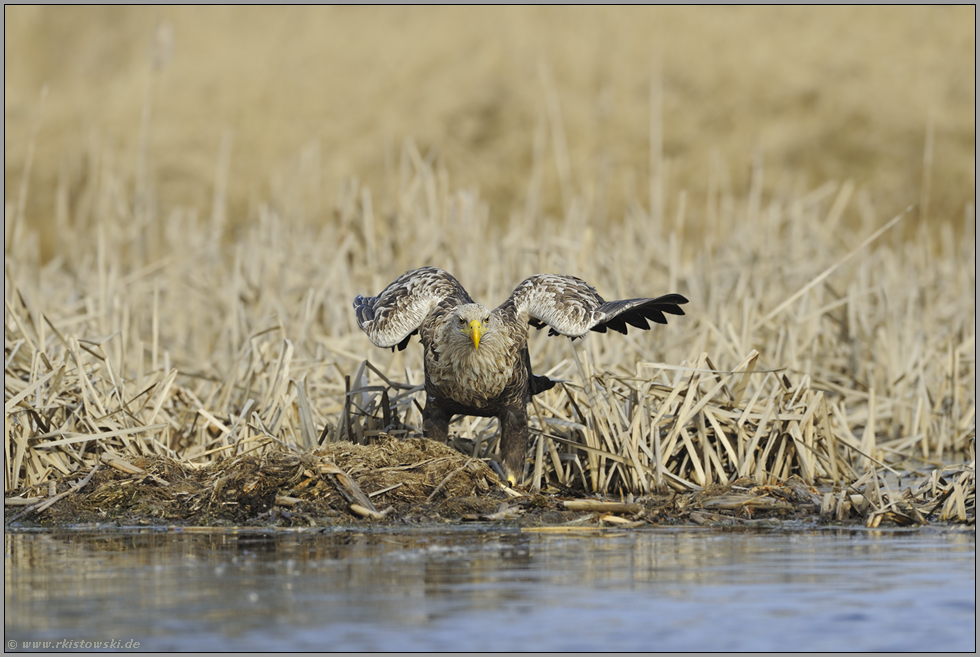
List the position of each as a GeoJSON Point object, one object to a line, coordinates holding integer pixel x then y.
{"type": "Point", "coordinates": [493, 589]}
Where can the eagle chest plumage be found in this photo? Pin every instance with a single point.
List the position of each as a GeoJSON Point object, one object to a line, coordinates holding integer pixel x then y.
{"type": "Point", "coordinates": [476, 361]}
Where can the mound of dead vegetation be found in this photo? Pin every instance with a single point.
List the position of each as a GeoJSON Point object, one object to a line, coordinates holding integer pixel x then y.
{"type": "Point", "coordinates": [340, 482]}
{"type": "Point", "coordinates": [419, 480]}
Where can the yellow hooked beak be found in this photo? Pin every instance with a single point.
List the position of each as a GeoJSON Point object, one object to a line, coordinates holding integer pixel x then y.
{"type": "Point", "coordinates": [475, 331]}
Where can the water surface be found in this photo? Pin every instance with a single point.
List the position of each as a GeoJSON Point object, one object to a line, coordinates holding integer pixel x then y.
{"type": "Point", "coordinates": [488, 588]}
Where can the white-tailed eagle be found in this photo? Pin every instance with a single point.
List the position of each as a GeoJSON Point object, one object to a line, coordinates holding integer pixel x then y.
{"type": "Point", "coordinates": [476, 359]}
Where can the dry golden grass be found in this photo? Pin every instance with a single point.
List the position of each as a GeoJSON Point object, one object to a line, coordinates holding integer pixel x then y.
{"type": "Point", "coordinates": [821, 341]}
{"type": "Point", "coordinates": [830, 351]}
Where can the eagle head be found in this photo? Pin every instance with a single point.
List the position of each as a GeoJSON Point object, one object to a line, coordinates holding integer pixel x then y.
{"type": "Point", "coordinates": [473, 321]}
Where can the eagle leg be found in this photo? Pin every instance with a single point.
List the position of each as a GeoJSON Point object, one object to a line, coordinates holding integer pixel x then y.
{"type": "Point", "coordinates": [435, 422]}
{"type": "Point", "coordinates": [513, 443]}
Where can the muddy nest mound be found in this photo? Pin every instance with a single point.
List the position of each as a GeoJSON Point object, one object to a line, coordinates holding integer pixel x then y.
{"type": "Point", "coordinates": [396, 481]}
{"type": "Point", "coordinates": [343, 481]}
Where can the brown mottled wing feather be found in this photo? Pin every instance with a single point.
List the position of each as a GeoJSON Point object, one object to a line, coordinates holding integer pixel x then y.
{"type": "Point", "coordinates": [394, 316]}
{"type": "Point", "coordinates": [570, 306]}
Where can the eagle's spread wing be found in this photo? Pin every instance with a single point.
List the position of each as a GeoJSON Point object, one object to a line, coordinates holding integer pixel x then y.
{"type": "Point", "coordinates": [570, 306]}
{"type": "Point", "coordinates": [394, 316]}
